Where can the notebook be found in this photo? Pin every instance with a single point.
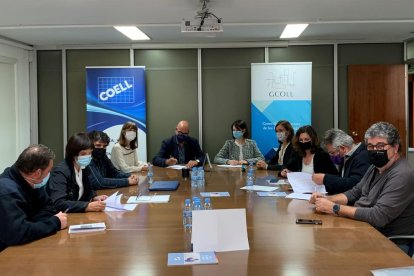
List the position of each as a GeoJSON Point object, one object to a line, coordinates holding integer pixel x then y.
{"type": "Point", "coordinates": [170, 185]}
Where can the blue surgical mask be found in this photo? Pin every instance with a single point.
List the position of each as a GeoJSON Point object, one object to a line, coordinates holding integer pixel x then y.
{"type": "Point", "coordinates": [238, 134]}
{"type": "Point", "coordinates": [83, 160]}
{"type": "Point", "coordinates": [43, 183]}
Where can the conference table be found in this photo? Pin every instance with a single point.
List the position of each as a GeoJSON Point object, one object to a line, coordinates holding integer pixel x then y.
{"type": "Point", "coordinates": [137, 242]}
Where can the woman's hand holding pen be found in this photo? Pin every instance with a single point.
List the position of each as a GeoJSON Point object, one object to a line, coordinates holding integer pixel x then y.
{"type": "Point", "coordinates": [97, 205]}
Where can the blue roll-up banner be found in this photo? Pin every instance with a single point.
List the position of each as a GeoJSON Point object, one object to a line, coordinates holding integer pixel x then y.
{"type": "Point", "coordinates": [115, 95]}
{"type": "Point", "coordinates": [280, 91]}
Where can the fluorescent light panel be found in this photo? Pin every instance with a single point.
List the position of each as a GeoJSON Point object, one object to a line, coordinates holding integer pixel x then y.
{"type": "Point", "coordinates": [293, 30]}
{"type": "Point", "coordinates": [132, 32]}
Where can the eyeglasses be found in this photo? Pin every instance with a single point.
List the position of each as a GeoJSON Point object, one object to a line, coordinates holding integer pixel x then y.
{"type": "Point", "coordinates": [379, 146]}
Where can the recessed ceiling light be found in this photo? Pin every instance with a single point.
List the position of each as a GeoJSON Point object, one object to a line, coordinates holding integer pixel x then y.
{"type": "Point", "coordinates": [132, 32]}
{"type": "Point", "coordinates": [293, 30]}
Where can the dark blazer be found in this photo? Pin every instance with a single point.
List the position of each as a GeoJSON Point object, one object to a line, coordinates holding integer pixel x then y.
{"type": "Point", "coordinates": [64, 190]}
{"type": "Point", "coordinates": [169, 147]}
{"type": "Point", "coordinates": [273, 165]}
{"type": "Point", "coordinates": [354, 169]}
{"type": "Point", "coordinates": [103, 175]}
{"type": "Point", "coordinates": [26, 214]}
{"type": "Point", "coordinates": [322, 163]}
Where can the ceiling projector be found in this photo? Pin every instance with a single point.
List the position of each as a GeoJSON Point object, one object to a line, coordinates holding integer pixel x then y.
{"type": "Point", "coordinates": [205, 22]}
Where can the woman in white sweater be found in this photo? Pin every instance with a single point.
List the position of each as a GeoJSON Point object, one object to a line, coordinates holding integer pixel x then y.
{"type": "Point", "coordinates": [124, 155]}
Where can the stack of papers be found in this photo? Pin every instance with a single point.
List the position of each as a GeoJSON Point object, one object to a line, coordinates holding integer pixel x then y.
{"type": "Point", "coordinates": [302, 183]}
{"type": "Point", "coordinates": [229, 166]}
{"type": "Point", "coordinates": [259, 188]}
{"type": "Point", "coordinates": [113, 203]}
{"type": "Point", "coordinates": [192, 258]}
{"type": "Point", "coordinates": [177, 167]}
{"type": "Point", "coordinates": [279, 194]}
{"type": "Point", "coordinates": [214, 194]}
{"type": "Point", "coordinates": [84, 228]}
{"type": "Point", "coordinates": [299, 196]}
{"type": "Point", "coordinates": [149, 199]}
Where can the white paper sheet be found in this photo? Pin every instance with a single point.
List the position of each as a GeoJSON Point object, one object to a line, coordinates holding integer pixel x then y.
{"type": "Point", "coordinates": [177, 167]}
{"type": "Point", "coordinates": [149, 199]}
{"type": "Point", "coordinates": [273, 194]}
{"type": "Point", "coordinates": [299, 196]}
{"type": "Point", "coordinates": [219, 230]}
{"type": "Point", "coordinates": [302, 183]}
{"type": "Point", "coordinates": [229, 166]}
{"type": "Point", "coordinates": [259, 188]}
{"type": "Point", "coordinates": [214, 194]}
{"type": "Point", "coordinates": [113, 204]}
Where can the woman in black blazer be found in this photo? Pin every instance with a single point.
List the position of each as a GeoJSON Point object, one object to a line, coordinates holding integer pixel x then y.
{"type": "Point", "coordinates": [310, 158]}
{"type": "Point", "coordinates": [285, 152]}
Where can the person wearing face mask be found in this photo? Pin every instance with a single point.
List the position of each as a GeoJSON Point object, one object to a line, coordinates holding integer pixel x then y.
{"type": "Point", "coordinates": [285, 152]}
{"type": "Point", "coordinates": [310, 157]}
{"type": "Point", "coordinates": [26, 211]}
{"type": "Point", "coordinates": [352, 160]}
{"type": "Point", "coordinates": [385, 195]}
{"type": "Point", "coordinates": [180, 149]}
{"type": "Point", "coordinates": [69, 185]}
{"type": "Point", "coordinates": [103, 173]}
{"type": "Point", "coordinates": [124, 154]}
{"type": "Point", "coordinates": [239, 150]}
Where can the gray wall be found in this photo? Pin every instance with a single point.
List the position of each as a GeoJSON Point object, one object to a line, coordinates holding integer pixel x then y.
{"type": "Point", "coordinates": [226, 93]}
{"type": "Point", "coordinates": [321, 57]}
{"type": "Point", "coordinates": [172, 87]}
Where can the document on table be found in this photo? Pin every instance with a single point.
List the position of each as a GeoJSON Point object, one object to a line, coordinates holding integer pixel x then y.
{"type": "Point", "coordinates": [177, 167]}
{"type": "Point", "coordinates": [86, 228]}
{"type": "Point", "coordinates": [219, 230]}
{"type": "Point", "coordinates": [149, 199]}
{"type": "Point", "coordinates": [214, 194]}
{"type": "Point", "coordinates": [299, 196]}
{"type": "Point", "coordinates": [278, 194]}
{"type": "Point", "coordinates": [192, 258]}
{"type": "Point", "coordinates": [259, 188]}
{"type": "Point", "coordinates": [302, 183]}
{"type": "Point", "coordinates": [278, 182]}
{"type": "Point", "coordinates": [113, 203]}
{"type": "Point", "coordinates": [229, 166]}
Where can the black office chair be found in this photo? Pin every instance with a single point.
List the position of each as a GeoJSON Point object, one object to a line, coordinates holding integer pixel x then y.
{"type": "Point", "coordinates": [411, 245]}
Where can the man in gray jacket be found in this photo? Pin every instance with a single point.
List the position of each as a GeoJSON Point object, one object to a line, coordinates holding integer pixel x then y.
{"type": "Point", "coordinates": [385, 195]}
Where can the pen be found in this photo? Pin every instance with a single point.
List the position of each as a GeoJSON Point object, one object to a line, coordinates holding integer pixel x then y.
{"type": "Point", "coordinates": [67, 210]}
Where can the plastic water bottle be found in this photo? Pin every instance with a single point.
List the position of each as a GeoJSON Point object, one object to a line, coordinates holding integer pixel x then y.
{"type": "Point", "coordinates": [207, 204]}
{"type": "Point", "coordinates": [150, 173]}
{"type": "Point", "coordinates": [252, 171]}
{"type": "Point", "coordinates": [197, 205]}
{"type": "Point", "coordinates": [194, 177]}
{"type": "Point", "coordinates": [200, 174]}
{"type": "Point", "coordinates": [249, 180]}
{"type": "Point", "coordinates": [187, 215]}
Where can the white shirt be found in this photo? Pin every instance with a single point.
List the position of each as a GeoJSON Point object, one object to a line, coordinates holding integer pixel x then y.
{"type": "Point", "coordinates": [78, 176]}
{"type": "Point", "coordinates": [308, 168]}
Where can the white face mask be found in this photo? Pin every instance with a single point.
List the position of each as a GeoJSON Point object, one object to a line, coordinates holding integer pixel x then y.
{"type": "Point", "coordinates": [130, 135]}
{"type": "Point", "coordinates": [281, 136]}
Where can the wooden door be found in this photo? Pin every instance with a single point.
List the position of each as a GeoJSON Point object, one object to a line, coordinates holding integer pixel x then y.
{"type": "Point", "coordinates": [377, 93]}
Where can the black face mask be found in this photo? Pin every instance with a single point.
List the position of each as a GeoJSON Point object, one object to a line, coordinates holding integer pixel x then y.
{"type": "Point", "coordinates": [98, 153]}
{"type": "Point", "coordinates": [305, 146]}
{"type": "Point", "coordinates": [182, 138]}
{"type": "Point", "coordinates": [378, 158]}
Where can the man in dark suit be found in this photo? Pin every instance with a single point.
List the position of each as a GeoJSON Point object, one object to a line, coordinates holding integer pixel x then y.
{"type": "Point", "coordinates": [179, 149]}
{"type": "Point", "coordinates": [352, 160]}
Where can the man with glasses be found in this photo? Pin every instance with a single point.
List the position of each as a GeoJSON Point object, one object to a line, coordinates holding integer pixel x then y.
{"type": "Point", "coordinates": [352, 160]}
{"type": "Point", "coordinates": [179, 149]}
{"type": "Point", "coordinates": [26, 211]}
{"type": "Point", "coordinates": [385, 195]}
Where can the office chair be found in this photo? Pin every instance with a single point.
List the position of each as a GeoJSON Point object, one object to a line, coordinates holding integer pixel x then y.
{"type": "Point", "coordinates": [411, 246]}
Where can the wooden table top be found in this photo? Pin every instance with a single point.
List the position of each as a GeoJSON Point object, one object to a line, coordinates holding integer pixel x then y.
{"type": "Point", "coordinates": [137, 242]}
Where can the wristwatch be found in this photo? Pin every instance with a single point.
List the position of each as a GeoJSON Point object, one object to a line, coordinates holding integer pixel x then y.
{"type": "Point", "coordinates": [336, 208]}
{"type": "Point", "coordinates": [198, 161]}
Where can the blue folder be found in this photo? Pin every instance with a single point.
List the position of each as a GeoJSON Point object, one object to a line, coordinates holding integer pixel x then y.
{"type": "Point", "coordinates": [170, 185]}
